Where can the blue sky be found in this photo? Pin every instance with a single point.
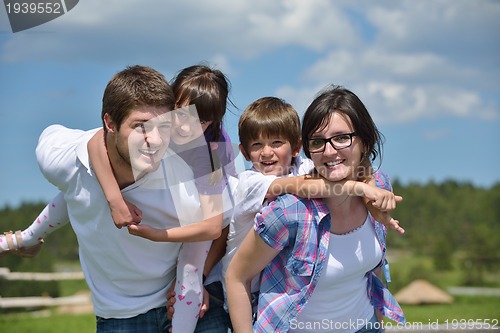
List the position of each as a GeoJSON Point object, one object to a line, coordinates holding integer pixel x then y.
{"type": "Point", "coordinates": [428, 71]}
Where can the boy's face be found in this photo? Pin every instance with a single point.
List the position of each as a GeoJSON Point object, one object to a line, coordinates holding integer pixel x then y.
{"type": "Point", "coordinates": [270, 155]}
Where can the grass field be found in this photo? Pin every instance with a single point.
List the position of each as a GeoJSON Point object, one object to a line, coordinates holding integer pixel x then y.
{"type": "Point", "coordinates": [464, 308]}
{"type": "Point", "coordinates": [404, 269]}
{"type": "Point", "coordinates": [47, 322]}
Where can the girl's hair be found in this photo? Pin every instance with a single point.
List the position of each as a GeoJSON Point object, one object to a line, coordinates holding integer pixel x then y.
{"type": "Point", "coordinates": [208, 90]}
{"type": "Point", "coordinates": [133, 87]}
{"type": "Point", "coordinates": [266, 117]}
{"type": "Point", "coordinates": [336, 99]}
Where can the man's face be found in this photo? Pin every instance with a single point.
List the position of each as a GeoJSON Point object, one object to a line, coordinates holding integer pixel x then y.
{"type": "Point", "coordinates": [143, 138]}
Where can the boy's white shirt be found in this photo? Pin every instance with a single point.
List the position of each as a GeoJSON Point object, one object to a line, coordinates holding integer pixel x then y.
{"type": "Point", "coordinates": [250, 198]}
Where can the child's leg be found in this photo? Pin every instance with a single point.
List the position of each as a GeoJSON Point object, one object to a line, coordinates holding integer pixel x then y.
{"type": "Point", "coordinates": [52, 217]}
{"type": "Point", "coordinates": [189, 286]}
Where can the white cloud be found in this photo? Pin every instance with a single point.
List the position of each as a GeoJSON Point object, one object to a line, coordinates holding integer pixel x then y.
{"type": "Point", "coordinates": [419, 63]}
{"type": "Point", "coordinates": [94, 30]}
{"type": "Point", "coordinates": [425, 58]}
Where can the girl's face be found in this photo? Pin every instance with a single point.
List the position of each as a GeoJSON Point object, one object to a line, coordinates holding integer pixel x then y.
{"type": "Point", "coordinates": [187, 125]}
{"type": "Point", "coordinates": [333, 164]}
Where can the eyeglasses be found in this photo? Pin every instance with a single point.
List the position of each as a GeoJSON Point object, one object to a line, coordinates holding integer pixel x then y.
{"type": "Point", "coordinates": [338, 142]}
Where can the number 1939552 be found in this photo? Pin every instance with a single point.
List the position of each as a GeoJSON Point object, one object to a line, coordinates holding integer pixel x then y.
{"type": "Point", "coordinates": [34, 8]}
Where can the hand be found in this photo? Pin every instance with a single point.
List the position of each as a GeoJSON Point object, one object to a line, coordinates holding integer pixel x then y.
{"type": "Point", "coordinates": [381, 199]}
{"type": "Point", "coordinates": [205, 305]}
{"type": "Point", "coordinates": [170, 300]}
{"type": "Point", "coordinates": [384, 217]}
{"type": "Point", "coordinates": [125, 213]}
{"type": "Point", "coordinates": [146, 231]}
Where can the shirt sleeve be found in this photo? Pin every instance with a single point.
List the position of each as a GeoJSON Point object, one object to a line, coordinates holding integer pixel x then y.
{"type": "Point", "coordinates": [272, 226]}
{"type": "Point", "coordinates": [56, 154]}
{"type": "Point", "coordinates": [383, 181]}
{"type": "Point", "coordinates": [306, 166]}
{"type": "Point", "coordinates": [251, 191]}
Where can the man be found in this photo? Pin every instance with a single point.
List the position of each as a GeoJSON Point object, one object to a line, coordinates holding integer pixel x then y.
{"type": "Point", "coordinates": [128, 276]}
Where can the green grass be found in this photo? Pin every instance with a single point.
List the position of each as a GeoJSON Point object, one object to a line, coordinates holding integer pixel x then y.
{"type": "Point", "coordinates": [463, 307]}
{"type": "Point", "coordinates": [47, 322]}
{"type": "Point", "coordinates": [71, 287]}
{"type": "Point", "coordinates": [404, 269]}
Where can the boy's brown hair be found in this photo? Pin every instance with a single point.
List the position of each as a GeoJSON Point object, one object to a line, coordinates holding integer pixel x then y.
{"type": "Point", "coordinates": [269, 117]}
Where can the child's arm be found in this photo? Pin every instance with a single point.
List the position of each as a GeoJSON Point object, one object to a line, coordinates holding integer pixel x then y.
{"type": "Point", "coordinates": [217, 251]}
{"type": "Point", "coordinates": [208, 229]}
{"type": "Point", "coordinates": [377, 200]}
{"type": "Point", "coordinates": [124, 213]}
{"type": "Point", "coordinates": [315, 186]}
{"type": "Point", "coordinates": [379, 214]}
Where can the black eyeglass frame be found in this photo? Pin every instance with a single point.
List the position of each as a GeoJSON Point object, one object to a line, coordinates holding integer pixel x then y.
{"type": "Point", "coordinates": [329, 140]}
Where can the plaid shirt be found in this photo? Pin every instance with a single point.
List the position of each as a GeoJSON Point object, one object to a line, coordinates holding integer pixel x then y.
{"type": "Point", "coordinates": [300, 230]}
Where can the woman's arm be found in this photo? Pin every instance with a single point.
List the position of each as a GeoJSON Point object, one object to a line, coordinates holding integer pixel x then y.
{"type": "Point", "coordinates": [123, 213]}
{"type": "Point", "coordinates": [250, 259]}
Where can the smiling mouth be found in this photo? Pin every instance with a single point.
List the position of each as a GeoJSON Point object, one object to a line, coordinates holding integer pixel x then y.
{"type": "Point", "coordinates": [268, 163]}
{"type": "Point", "coordinates": [333, 163]}
{"type": "Point", "coordinates": [149, 152]}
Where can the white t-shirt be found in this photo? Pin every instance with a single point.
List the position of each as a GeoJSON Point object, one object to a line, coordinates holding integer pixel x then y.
{"type": "Point", "coordinates": [127, 275]}
{"type": "Point", "coordinates": [250, 198]}
{"type": "Point", "coordinates": [340, 302]}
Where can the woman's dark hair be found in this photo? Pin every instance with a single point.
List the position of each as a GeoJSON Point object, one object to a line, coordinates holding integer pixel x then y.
{"type": "Point", "coordinates": [336, 99]}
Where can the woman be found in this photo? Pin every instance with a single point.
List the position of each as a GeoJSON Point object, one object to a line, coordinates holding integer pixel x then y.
{"type": "Point", "coordinates": [319, 257]}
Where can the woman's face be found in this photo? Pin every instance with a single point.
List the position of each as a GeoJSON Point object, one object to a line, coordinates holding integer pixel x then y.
{"type": "Point", "coordinates": [332, 164]}
{"type": "Point", "coordinates": [187, 126]}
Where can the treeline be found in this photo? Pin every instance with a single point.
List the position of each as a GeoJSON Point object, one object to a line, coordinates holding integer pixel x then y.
{"type": "Point", "coordinates": [451, 220]}
{"type": "Point", "coordinates": [59, 246]}
{"type": "Point", "coordinates": [442, 220]}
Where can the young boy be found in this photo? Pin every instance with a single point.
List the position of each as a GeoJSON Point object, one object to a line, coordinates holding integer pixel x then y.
{"type": "Point", "coordinates": [269, 132]}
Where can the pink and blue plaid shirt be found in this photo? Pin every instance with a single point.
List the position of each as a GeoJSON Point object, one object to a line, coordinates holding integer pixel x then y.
{"type": "Point", "coordinates": [300, 230]}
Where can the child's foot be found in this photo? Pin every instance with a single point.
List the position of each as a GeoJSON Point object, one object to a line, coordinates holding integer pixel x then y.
{"type": "Point", "coordinates": [16, 245]}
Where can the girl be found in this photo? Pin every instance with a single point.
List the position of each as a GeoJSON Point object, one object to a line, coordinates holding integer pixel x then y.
{"type": "Point", "coordinates": [320, 257]}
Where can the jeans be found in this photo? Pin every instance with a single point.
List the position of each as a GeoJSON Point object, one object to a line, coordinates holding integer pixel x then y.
{"type": "Point", "coordinates": [153, 321]}
{"type": "Point", "coordinates": [216, 319]}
